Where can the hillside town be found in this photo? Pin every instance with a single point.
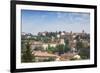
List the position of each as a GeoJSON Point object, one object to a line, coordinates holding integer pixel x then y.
{"type": "Point", "coordinates": [55, 46]}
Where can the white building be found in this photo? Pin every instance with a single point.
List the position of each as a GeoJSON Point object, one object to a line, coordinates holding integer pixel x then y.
{"type": "Point", "coordinates": [45, 45]}
{"type": "Point", "coordinates": [62, 41]}
{"type": "Point", "coordinates": [51, 45]}
{"type": "Point", "coordinates": [58, 35]}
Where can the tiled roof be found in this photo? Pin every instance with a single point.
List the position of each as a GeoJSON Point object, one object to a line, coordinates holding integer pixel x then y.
{"type": "Point", "coordinates": [43, 54]}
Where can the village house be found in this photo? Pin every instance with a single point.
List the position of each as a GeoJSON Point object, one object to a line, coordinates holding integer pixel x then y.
{"type": "Point", "coordinates": [41, 56]}
{"type": "Point", "coordinates": [35, 44]}
{"type": "Point", "coordinates": [53, 44]}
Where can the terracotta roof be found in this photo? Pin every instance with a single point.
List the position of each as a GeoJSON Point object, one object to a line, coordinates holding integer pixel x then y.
{"type": "Point", "coordinates": [69, 54]}
{"type": "Point", "coordinates": [43, 54]}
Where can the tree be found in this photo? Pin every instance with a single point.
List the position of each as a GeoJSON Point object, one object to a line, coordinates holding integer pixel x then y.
{"type": "Point", "coordinates": [45, 39]}
{"type": "Point", "coordinates": [79, 45]}
{"type": "Point", "coordinates": [66, 48]}
{"type": "Point", "coordinates": [83, 51]}
{"type": "Point", "coordinates": [23, 48]}
{"type": "Point", "coordinates": [39, 48]}
{"type": "Point", "coordinates": [60, 49]}
{"type": "Point", "coordinates": [51, 49]}
{"type": "Point", "coordinates": [27, 56]}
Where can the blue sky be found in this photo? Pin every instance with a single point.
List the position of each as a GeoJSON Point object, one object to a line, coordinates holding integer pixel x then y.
{"type": "Point", "coordinates": [34, 21]}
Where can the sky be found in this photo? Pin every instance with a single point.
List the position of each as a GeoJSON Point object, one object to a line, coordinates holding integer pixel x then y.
{"type": "Point", "coordinates": [34, 21]}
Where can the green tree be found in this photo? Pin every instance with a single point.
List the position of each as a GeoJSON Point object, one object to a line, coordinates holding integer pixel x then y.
{"type": "Point", "coordinates": [83, 51]}
{"type": "Point", "coordinates": [23, 48]}
{"type": "Point", "coordinates": [60, 49]}
{"type": "Point", "coordinates": [39, 48]}
{"type": "Point", "coordinates": [66, 47]}
{"type": "Point", "coordinates": [51, 49]}
{"type": "Point", "coordinates": [27, 56]}
{"type": "Point", "coordinates": [79, 45]}
{"type": "Point", "coordinates": [45, 39]}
